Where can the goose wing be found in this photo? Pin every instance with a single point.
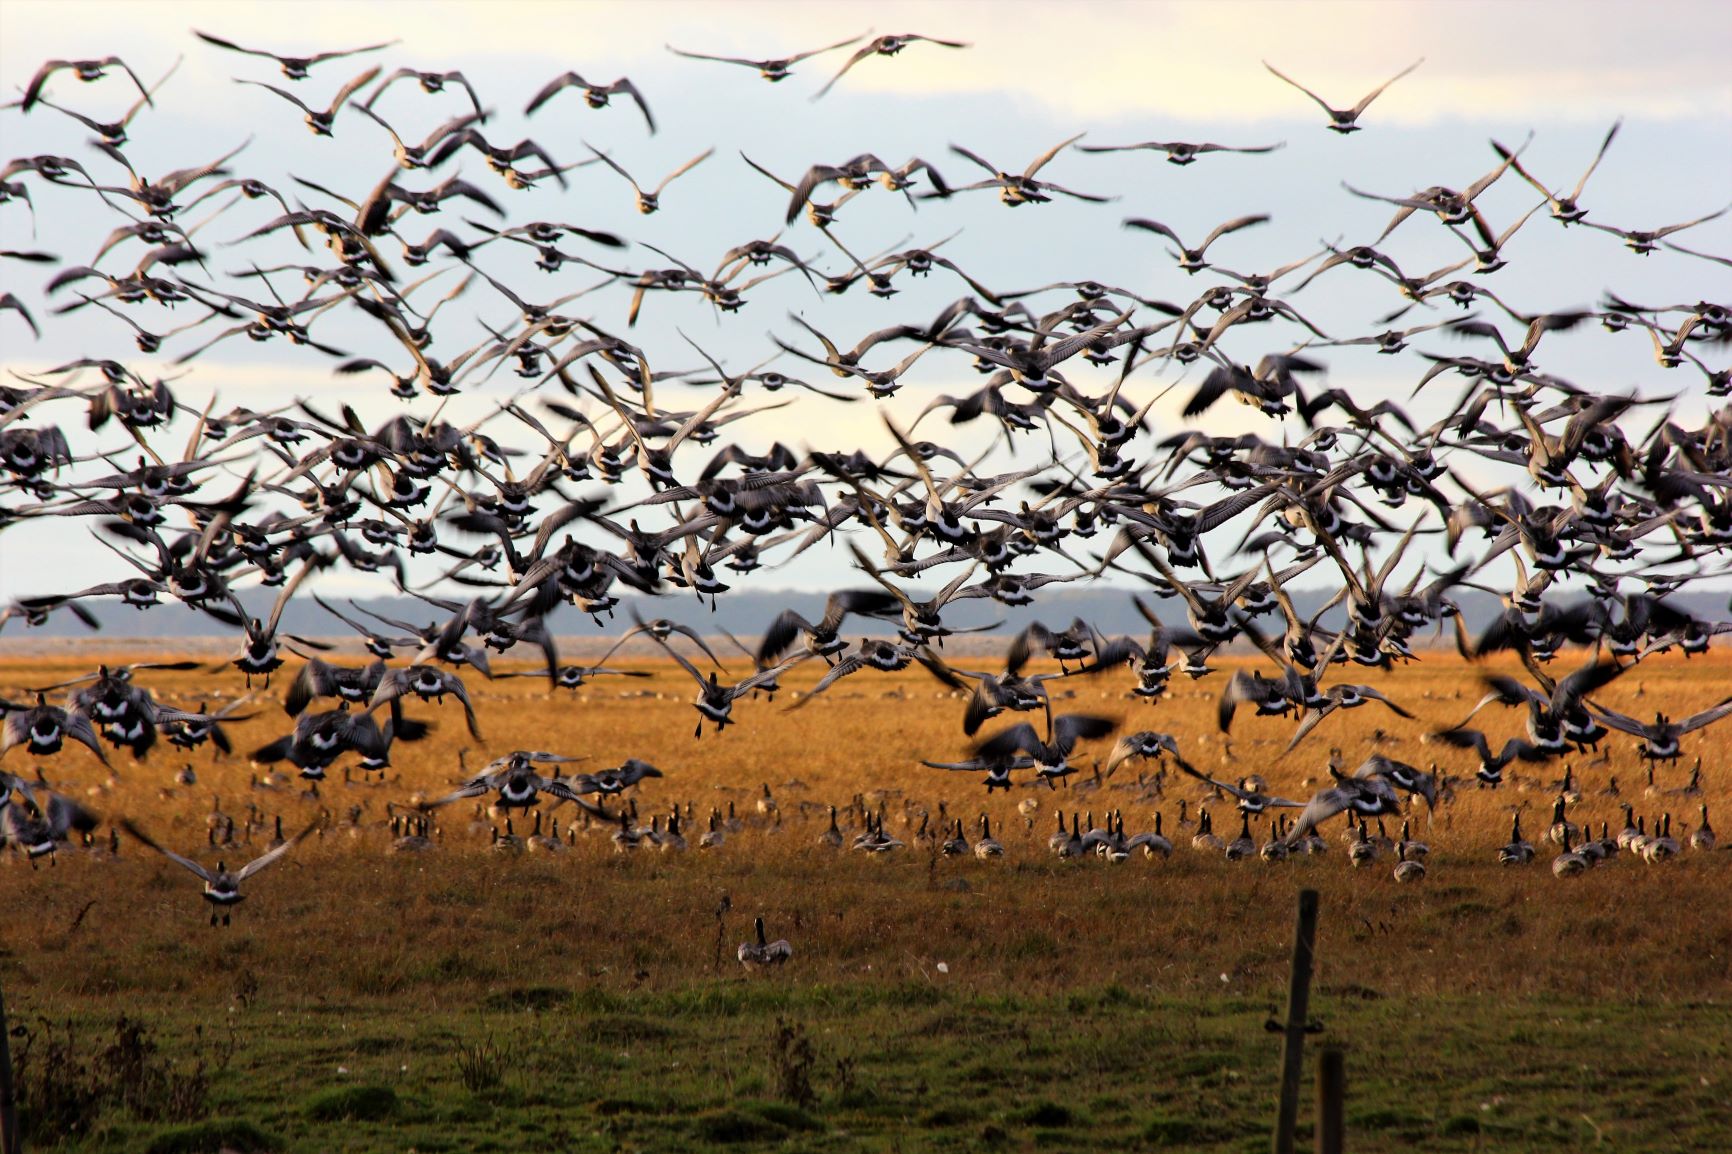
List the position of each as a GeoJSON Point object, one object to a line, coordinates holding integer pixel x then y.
{"type": "Point", "coordinates": [187, 863]}
{"type": "Point", "coordinates": [260, 863]}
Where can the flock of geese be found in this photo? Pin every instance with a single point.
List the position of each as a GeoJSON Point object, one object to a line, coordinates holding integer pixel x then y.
{"type": "Point", "coordinates": [584, 482]}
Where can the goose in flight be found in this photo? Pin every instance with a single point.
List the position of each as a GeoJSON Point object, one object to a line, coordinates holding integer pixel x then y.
{"type": "Point", "coordinates": [1051, 755]}
{"type": "Point", "coordinates": [1178, 152]}
{"type": "Point", "coordinates": [294, 67]}
{"type": "Point", "coordinates": [596, 95]}
{"type": "Point", "coordinates": [1362, 796]}
{"type": "Point", "coordinates": [222, 888]}
{"type": "Point", "coordinates": [320, 121]}
{"type": "Point", "coordinates": [44, 819]}
{"type": "Point", "coordinates": [519, 786]}
{"type": "Point", "coordinates": [88, 71]}
{"type": "Point", "coordinates": [1345, 120]}
{"type": "Point", "coordinates": [884, 46]}
{"type": "Point", "coordinates": [773, 70]}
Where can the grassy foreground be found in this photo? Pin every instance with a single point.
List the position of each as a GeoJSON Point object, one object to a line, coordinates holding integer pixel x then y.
{"type": "Point", "coordinates": [461, 1000]}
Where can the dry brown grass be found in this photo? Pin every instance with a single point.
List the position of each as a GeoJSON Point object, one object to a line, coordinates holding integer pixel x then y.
{"type": "Point", "coordinates": [1189, 919]}
{"type": "Point", "coordinates": [344, 924]}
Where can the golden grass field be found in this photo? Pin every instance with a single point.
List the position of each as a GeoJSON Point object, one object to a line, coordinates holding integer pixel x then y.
{"type": "Point", "coordinates": [460, 999]}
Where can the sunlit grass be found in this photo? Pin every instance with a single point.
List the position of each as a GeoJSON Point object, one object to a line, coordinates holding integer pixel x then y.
{"type": "Point", "coordinates": [1078, 1001]}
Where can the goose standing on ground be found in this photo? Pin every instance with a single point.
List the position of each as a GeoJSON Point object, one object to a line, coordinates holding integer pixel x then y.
{"type": "Point", "coordinates": [1407, 870]}
{"type": "Point", "coordinates": [1519, 851]}
{"type": "Point", "coordinates": [1152, 842]}
{"type": "Point", "coordinates": [1702, 837]}
{"type": "Point", "coordinates": [1570, 862]}
{"type": "Point", "coordinates": [714, 837]}
{"type": "Point", "coordinates": [988, 846]}
{"type": "Point", "coordinates": [221, 887]}
{"type": "Point", "coordinates": [763, 954]}
{"type": "Point", "coordinates": [831, 837]}
{"type": "Point", "coordinates": [1408, 849]}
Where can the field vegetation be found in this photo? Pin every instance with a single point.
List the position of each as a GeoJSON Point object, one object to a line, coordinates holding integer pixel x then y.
{"type": "Point", "coordinates": [465, 1000]}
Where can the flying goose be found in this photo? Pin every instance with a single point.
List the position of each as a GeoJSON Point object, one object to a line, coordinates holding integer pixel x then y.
{"type": "Point", "coordinates": [41, 821]}
{"type": "Point", "coordinates": [113, 132]}
{"type": "Point", "coordinates": [1661, 740]}
{"type": "Point", "coordinates": [1178, 152]}
{"type": "Point", "coordinates": [1371, 796]}
{"type": "Point", "coordinates": [716, 701]}
{"type": "Point", "coordinates": [427, 682]}
{"type": "Point", "coordinates": [431, 83]}
{"type": "Point", "coordinates": [1491, 766]}
{"type": "Point", "coordinates": [822, 639]}
{"type": "Point", "coordinates": [320, 121]}
{"type": "Point", "coordinates": [1144, 743]}
{"type": "Point", "coordinates": [1050, 755]}
{"type": "Point", "coordinates": [773, 70]}
{"type": "Point", "coordinates": [649, 202]}
{"type": "Point", "coordinates": [1191, 259]}
{"type": "Point", "coordinates": [221, 887]}
{"type": "Point", "coordinates": [1251, 797]}
{"type": "Point", "coordinates": [595, 95]}
{"type": "Point", "coordinates": [1345, 120]}
{"type": "Point", "coordinates": [884, 46]}
{"type": "Point", "coordinates": [294, 67]}
{"type": "Point", "coordinates": [43, 728]}
{"type": "Point", "coordinates": [86, 70]}
{"type": "Point", "coordinates": [319, 739]}
{"type": "Point", "coordinates": [519, 786]}
{"type": "Point", "coordinates": [1016, 188]}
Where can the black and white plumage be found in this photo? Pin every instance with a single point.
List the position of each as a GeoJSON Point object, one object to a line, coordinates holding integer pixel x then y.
{"type": "Point", "coordinates": [822, 639]}
{"type": "Point", "coordinates": [42, 729]}
{"type": "Point", "coordinates": [319, 739]}
{"type": "Point", "coordinates": [222, 887]}
{"type": "Point", "coordinates": [429, 683]}
{"type": "Point", "coordinates": [37, 824]}
{"type": "Point", "coordinates": [1051, 753]}
{"type": "Point", "coordinates": [1362, 796]}
{"type": "Point", "coordinates": [519, 785]}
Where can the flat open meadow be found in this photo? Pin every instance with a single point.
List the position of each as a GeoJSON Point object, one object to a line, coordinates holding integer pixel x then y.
{"type": "Point", "coordinates": [458, 999]}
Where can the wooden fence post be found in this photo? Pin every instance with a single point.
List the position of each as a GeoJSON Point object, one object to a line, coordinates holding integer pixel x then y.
{"type": "Point", "coordinates": [1331, 1100]}
{"type": "Point", "coordinates": [1293, 1029]}
{"type": "Point", "coordinates": [8, 1094]}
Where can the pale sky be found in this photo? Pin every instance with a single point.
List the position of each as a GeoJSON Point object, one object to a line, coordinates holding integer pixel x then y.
{"type": "Point", "coordinates": [1035, 74]}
